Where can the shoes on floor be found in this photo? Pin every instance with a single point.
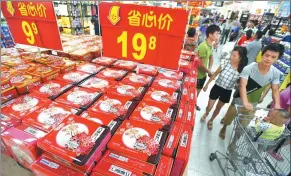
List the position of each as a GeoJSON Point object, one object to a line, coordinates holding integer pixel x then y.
{"type": "Point", "coordinates": [198, 108]}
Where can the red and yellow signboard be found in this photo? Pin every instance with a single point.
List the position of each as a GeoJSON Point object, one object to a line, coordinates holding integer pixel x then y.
{"type": "Point", "coordinates": [151, 35]}
{"type": "Point", "coordinates": [33, 23]}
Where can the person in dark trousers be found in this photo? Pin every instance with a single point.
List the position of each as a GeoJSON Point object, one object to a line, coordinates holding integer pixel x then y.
{"type": "Point", "coordinates": [95, 22]}
{"type": "Point", "coordinates": [226, 30]}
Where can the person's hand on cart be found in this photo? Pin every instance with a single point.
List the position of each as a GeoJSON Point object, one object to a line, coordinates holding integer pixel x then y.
{"type": "Point", "coordinates": [248, 106]}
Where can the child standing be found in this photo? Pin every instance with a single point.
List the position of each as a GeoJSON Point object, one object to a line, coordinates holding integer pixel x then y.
{"type": "Point", "coordinates": [228, 76]}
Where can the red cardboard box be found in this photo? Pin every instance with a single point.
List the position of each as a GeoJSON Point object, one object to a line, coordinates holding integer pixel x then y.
{"type": "Point", "coordinates": [65, 65]}
{"type": "Point", "coordinates": [81, 54]}
{"type": "Point", "coordinates": [190, 120]}
{"type": "Point", "coordinates": [112, 74]}
{"type": "Point", "coordinates": [51, 88]}
{"type": "Point", "coordinates": [138, 79]}
{"type": "Point", "coordinates": [170, 74]}
{"type": "Point", "coordinates": [8, 94]}
{"type": "Point", "coordinates": [12, 61]}
{"type": "Point", "coordinates": [7, 121]}
{"type": "Point", "coordinates": [24, 81]}
{"type": "Point", "coordinates": [77, 141]}
{"type": "Point", "coordinates": [183, 152]}
{"type": "Point", "coordinates": [4, 149]}
{"type": "Point", "coordinates": [165, 166]}
{"type": "Point", "coordinates": [134, 91]}
{"type": "Point", "coordinates": [48, 116]}
{"type": "Point", "coordinates": [142, 141]}
{"type": "Point", "coordinates": [185, 66]}
{"type": "Point", "coordinates": [21, 143]}
{"type": "Point", "coordinates": [48, 59]}
{"type": "Point", "coordinates": [125, 65]}
{"type": "Point", "coordinates": [182, 112]}
{"type": "Point", "coordinates": [106, 61]}
{"type": "Point", "coordinates": [27, 67]}
{"type": "Point", "coordinates": [46, 73]}
{"type": "Point", "coordinates": [115, 106]}
{"type": "Point", "coordinates": [170, 148]}
{"type": "Point", "coordinates": [131, 163]}
{"type": "Point", "coordinates": [5, 79]}
{"type": "Point", "coordinates": [22, 106]}
{"type": "Point", "coordinates": [185, 94]}
{"type": "Point", "coordinates": [167, 96]}
{"type": "Point", "coordinates": [46, 166]}
{"type": "Point", "coordinates": [154, 113]}
{"type": "Point", "coordinates": [162, 83]}
{"type": "Point", "coordinates": [146, 69]}
{"type": "Point", "coordinates": [73, 77]}
{"type": "Point", "coordinates": [90, 68]}
{"type": "Point", "coordinates": [192, 96]}
{"type": "Point", "coordinates": [97, 84]}
{"type": "Point", "coordinates": [79, 97]}
{"type": "Point", "coordinates": [185, 57]}
{"type": "Point", "coordinates": [106, 168]}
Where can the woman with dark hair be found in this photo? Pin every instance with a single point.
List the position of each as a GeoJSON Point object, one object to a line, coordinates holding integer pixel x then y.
{"type": "Point", "coordinates": [190, 41]}
{"type": "Point", "coordinates": [227, 79]}
{"type": "Point", "coordinates": [244, 40]}
{"type": "Point", "coordinates": [95, 22]}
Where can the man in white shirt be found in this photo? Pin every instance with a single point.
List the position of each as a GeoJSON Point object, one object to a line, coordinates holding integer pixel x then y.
{"type": "Point", "coordinates": [226, 31]}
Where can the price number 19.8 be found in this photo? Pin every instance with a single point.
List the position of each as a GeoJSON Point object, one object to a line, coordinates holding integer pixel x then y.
{"type": "Point", "coordinates": [140, 47]}
{"type": "Point", "coordinates": [29, 30]}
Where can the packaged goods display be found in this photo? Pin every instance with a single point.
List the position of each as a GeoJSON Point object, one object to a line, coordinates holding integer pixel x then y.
{"type": "Point", "coordinates": [73, 112]}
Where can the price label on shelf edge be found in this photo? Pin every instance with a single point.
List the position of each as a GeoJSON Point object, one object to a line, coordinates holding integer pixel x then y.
{"type": "Point", "coordinates": [32, 23]}
{"type": "Point", "coordinates": [151, 35]}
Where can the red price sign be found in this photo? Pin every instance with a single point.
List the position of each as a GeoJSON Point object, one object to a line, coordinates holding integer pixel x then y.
{"type": "Point", "coordinates": [150, 35]}
{"type": "Point", "coordinates": [33, 23]}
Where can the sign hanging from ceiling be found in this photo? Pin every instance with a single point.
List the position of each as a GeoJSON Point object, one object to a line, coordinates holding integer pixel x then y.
{"type": "Point", "coordinates": [150, 35]}
{"type": "Point", "coordinates": [32, 23]}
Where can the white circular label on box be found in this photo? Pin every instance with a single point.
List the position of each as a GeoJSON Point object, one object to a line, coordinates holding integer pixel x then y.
{"type": "Point", "coordinates": [28, 103]}
{"type": "Point", "coordinates": [123, 89]}
{"type": "Point", "coordinates": [130, 136]}
{"type": "Point", "coordinates": [148, 111]}
{"type": "Point", "coordinates": [158, 95]}
{"type": "Point", "coordinates": [107, 105]}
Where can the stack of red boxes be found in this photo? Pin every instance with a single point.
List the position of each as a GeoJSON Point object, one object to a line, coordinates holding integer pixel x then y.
{"type": "Point", "coordinates": [107, 117]}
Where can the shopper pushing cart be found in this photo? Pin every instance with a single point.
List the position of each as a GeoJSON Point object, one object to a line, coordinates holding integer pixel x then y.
{"type": "Point", "coordinates": [248, 151]}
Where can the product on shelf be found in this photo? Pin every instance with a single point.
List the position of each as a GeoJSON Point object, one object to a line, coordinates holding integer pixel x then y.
{"type": "Point", "coordinates": [8, 94]}
{"type": "Point", "coordinates": [47, 59]}
{"type": "Point", "coordinates": [192, 96]}
{"type": "Point", "coordinates": [12, 61]}
{"type": "Point", "coordinates": [170, 74]}
{"type": "Point", "coordinates": [26, 67]}
{"type": "Point", "coordinates": [52, 89]}
{"type": "Point", "coordinates": [76, 141]}
{"type": "Point", "coordinates": [106, 61]}
{"type": "Point", "coordinates": [162, 95]}
{"type": "Point", "coordinates": [125, 65]}
{"type": "Point", "coordinates": [90, 68]}
{"type": "Point", "coordinates": [24, 105]}
{"type": "Point", "coordinates": [138, 79]}
{"type": "Point", "coordinates": [114, 106]}
{"type": "Point", "coordinates": [23, 82]}
{"type": "Point", "coordinates": [97, 84]}
{"type": "Point", "coordinates": [139, 140]}
{"type": "Point", "coordinates": [81, 54]}
{"type": "Point", "coordinates": [146, 69]}
{"type": "Point", "coordinates": [8, 121]}
{"type": "Point", "coordinates": [190, 116]}
{"type": "Point", "coordinates": [4, 149]}
{"type": "Point", "coordinates": [121, 89]}
{"type": "Point", "coordinates": [21, 143]}
{"type": "Point", "coordinates": [113, 74]}
{"type": "Point", "coordinates": [79, 97]}
{"type": "Point", "coordinates": [182, 112]}
{"type": "Point", "coordinates": [5, 78]}
{"type": "Point", "coordinates": [165, 166]}
{"type": "Point", "coordinates": [162, 83]}
{"type": "Point", "coordinates": [172, 142]}
{"type": "Point", "coordinates": [73, 77]}
{"type": "Point", "coordinates": [65, 65]}
{"type": "Point", "coordinates": [46, 73]}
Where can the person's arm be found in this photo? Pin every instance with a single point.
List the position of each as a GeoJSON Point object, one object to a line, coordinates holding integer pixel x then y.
{"type": "Point", "coordinates": [265, 93]}
{"type": "Point", "coordinates": [276, 96]}
{"type": "Point", "coordinates": [215, 74]}
{"type": "Point", "coordinates": [244, 76]}
{"type": "Point", "coordinates": [202, 67]}
{"type": "Point", "coordinates": [202, 53]}
{"type": "Point", "coordinates": [210, 63]}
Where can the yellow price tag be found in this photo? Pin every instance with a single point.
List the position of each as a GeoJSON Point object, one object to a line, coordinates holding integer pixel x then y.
{"type": "Point", "coordinates": [140, 44]}
{"type": "Point", "coordinates": [29, 30]}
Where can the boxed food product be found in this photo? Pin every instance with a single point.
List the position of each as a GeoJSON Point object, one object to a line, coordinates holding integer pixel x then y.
{"type": "Point", "coordinates": [48, 116]}
{"type": "Point", "coordinates": [106, 61]}
{"type": "Point", "coordinates": [79, 97]}
{"type": "Point", "coordinates": [12, 61]}
{"type": "Point", "coordinates": [159, 95]}
{"type": "Point", "coordinates": [185, 57]}
{"type": "Point", "coordinates": [21, 143]}
{"type": "Point", "coordinates": [186, 52]}
{"type": "Point", "coordinates": [146, 69]}
{"type": "Point", "coordinates": [95, 51]}
{"type": "Point", "coordinates": [24, 105]}
{"type": "Point", "coordinates": [46, 166]}
{"type": "Point", "coordinates": [4, 149]}
{"type": "Point", "coordinates": [90, 68]}
{"type": "Point", "coordinates": [170, 148]}
{"type": "Point", "coordinates": [25, 67]}
{"type": "Point", "coordinates": [192, 96]}
{"type": "Point", "coordinates": [81, 54]}
{"type": "Point", "coordinates": [138, 79]}
{"type": "Point", "coordinates": [65, 65]}
{"type": "Point", "coordinates": [115, 106]}
{"type": "Point", "coordinates": [170, 74]}
{"type": "Point", "coordinates": [77, 142]}
{"type": "Point", "coordinates": [142, 141]}
{"type": "Point", "coordinates": [190, 120]}
{"type": "Point", "coordinates": [167, 83]}
{"type": "Point", "coordinates": [125, 65]}
{"type": "Point", "coordinates": [97, 84]}
{"type": "Point", "coordinates": [111, 73]}
{"type": "Point", "coordinates": [52, 89]}
{"type": "Point", "coordinates": [8, 94]}
{"type": "Point", "coordinates": [5, 78]}
{"type": "Point", "coordinates": [185, 94]}
{"type": "Point", "coordinates": [132, 163]}
{"type": "Point", "coordinates": [182, 111]}
{"type": "Point", "coordinates": [110, 169]}
{"type": "Point", "coordinates": [185, 66]}
{"type": "Point", "coordinates": [7, 121]}
{"type": "Point", "coordinates": [183, 152]}
{"type": "Point", "coordinates": [45, 72]}
{"type": "Point", "coordinates": [165, 166]}
{"type": "Point", "coordinates": [102, 119]}
{"type": "Point", "coordinates": [48, 59]}
{"type": "Point", "coordinates": [154, 113]}
{"type": "Point", "coordinates": [121, 89]}
{"type": "Point", "coordinates": [73, 77]}
{"type": "Point", "coordinates": [24, 81]}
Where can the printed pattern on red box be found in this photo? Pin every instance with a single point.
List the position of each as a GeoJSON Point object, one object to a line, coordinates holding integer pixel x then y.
{"type": "Point", "coordinates": [170, 74]}
{"type": "Point", "coordinates": [73, 77]}
{"type": "Point", "coordinates": [173, 140]}
{"type": "Point", "coordinates": [182, 112]}
{"type": "Point", "coordinates": [138, 79]}
{"type": "Point", "coordinates": [125, 65]}
{"type": "Point", "coordinates": [159, 95]}
{"type": "Point", "coordinates": [106, 61]}
{"type": "Point", "coordinates": [123, 89]}
{"type": "Point", "coordinates": [167, 83]}
{"type": "Point", "coordinates": [139, 140]}
{"type": "Point", "coordinates": [112, 73]}
{"type": "Point", "coordinates": [154, 113]}
{"type": "Point", "coordinates": [146, 69]}
{"type": "Point", "coordinates": [52, 88]}
{"type": "Point", "coordinates": [90, 68]}
{"type": "Point", "coordinates": [165, 166]}
{"type": "Point", "coordinates": [98, 84]}
{"type": "Point", "coordinates": [76, 140]}
{"type": "Point", "coordinates": [79, 97]}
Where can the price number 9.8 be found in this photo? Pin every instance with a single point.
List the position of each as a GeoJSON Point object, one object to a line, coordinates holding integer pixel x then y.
{"type": "Point", "coordinates": [139, 44]}
{"type": "Point", "coordinates": [29, 30]}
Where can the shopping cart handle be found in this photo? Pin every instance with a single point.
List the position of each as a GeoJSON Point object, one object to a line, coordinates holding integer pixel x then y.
{"type": "Point", "coordinates": [257, 136]}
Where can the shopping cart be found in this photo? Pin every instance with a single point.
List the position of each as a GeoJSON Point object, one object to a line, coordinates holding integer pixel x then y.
{"type": "Point", "coordinates": [247, 155]}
